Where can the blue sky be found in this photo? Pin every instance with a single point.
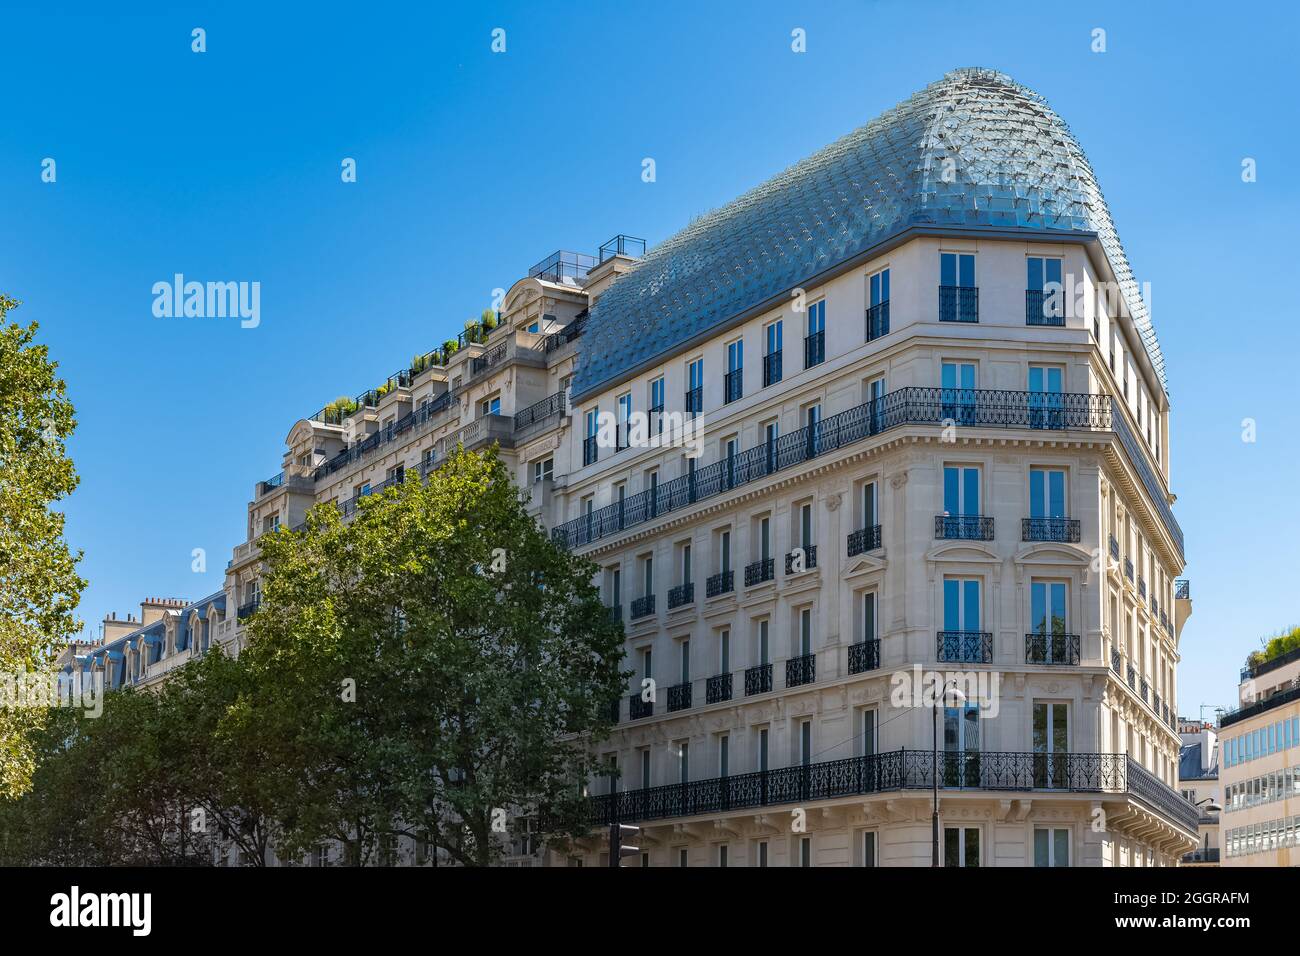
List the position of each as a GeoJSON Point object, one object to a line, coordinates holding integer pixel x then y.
{"type": "Point", "coordinates": [473, 165]}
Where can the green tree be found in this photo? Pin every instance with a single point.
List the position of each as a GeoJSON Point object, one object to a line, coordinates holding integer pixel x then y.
{"type": "Point", "coordinates": [434, 667]}
{"type": "Point", "coordinates": [39, 585]}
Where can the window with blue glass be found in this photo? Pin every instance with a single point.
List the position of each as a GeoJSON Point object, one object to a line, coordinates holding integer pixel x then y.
{"type": "Point", "coordinates": [814, 352]}
{"type": "Point", "coordinates": [957, 380]}
{"type": "Point", "coordinates": [958, 297]}
{"type": "Point", "coordinates": [961, 489]}
{"type": "Point", "coordinates": [1046, 406]}
{"type": "Point", "coordinates": [878, 305]}
{"type": "Point", "coordinates": [1047, 493]}
{"type": "Point", "coordinates": [772, 339]}
{"type": "Point", "coordinates": [1044, 294]}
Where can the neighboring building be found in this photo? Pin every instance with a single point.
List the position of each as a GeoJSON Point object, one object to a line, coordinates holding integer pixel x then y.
{"type": "Point", "coordinates": [1260, 741]}
{"type": "Point", "coordinates": [1198, 782]}
{"type": "Point", "coordinates": [954, 468]}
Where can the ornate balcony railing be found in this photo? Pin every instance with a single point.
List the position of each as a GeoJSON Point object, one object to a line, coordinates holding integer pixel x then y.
{"type": "Point", "coordinates": [1052, 649]}
{"type": "Point", "coordinates": [760, 571]}
{"type": "Point", "coordinates": [389, 433]}
{"type": "Point", "coordinates": [1064, 530]}
{"type": "Point", "coordinates": [733, 385]}
{"type": "Point", "coordinates": [679, 696]}
{"type": "Point", "coordinates": [246, 610]}
{"type": "Point", "coordinates": [717, 689]}
{"type": "Point", "coordinates": [771, 368]}
{"type": "Point", "coordinates": [878, 320]}
{"type": "Point", "coordinates": [801, 670]}
{"type": "Point", "coordinates": [967, 527]}
{"type": "Point", "coordinates": [809, 559]}
{"type": "Point", "coordinates": [638, 708]}
{"type": "Point", "coordinates": [1142, 588]}
{"type": "Point", "coordinates": [680, 595]}
{"type": "Point", "coordinates": [1128, 568]}
{"type": "Point", "coordinates": [959, 303]}
{"type": "Point", "coordinates": [550, 407]}
{"type": "Point", "coordinates": [864, 540]}
{"type": "Point", "coordinates": [758, 679]}
{"type": "Point", "coordinates": [1132, 677]}
{"type": "Point", "coordinates": [643, 606]}
{"type": "Point", "coordinates": [912, 405]}
{"type": "Point", "coordinates": [589, 450]}
{"type": "Point", "coordinates": [864, 656]}
{"type": "Point", "coordinates": [1114, 548]}
{"type": "Point", "coordinates": [1145, 689]}
{"type": "Point", "coordinates": [893, 771]}
{"type": "Point", "coordinates": [694, 403]}
{"type": "Point", "coordinates": [1044, 308]}
{"type": "Point", "coordinates": [966, 647]}
{"type": "Point", "coordinates": [814, 349]}
{"type": "Point", "coordinates": [1114, 661]}
{"type": "Point", "coordinates": [720, 583]}
{"type": "Point", "coordinates": [1182, 590]}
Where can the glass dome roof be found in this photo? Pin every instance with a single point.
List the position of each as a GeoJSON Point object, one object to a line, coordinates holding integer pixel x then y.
{"type": "Point", "coordinates": [975, 149]}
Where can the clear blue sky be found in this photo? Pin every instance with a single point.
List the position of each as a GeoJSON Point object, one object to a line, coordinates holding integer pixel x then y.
{"type": "Point", "coordinates": [472, 166]}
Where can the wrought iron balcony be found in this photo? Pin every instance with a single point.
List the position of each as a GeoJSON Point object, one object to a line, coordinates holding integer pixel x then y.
{"type": "Point", "coordinates": [1132, 678]}
{"type": "Point", "coordinates": [1044, 308]}
{"type": "Point", "coordinates": [638, 708]}
{"type": "Point", "coordinates": [1145, 689]}
{"type": "Point", "coordinates": [1155, 702]}
{"type": "Point", "coordinates": [550, 408]}
{"type": "Point", "coordinates": [1114, 660]}
{"type": "Point", "coordinates": [246, 610]}
{"type": "Point", "coordinates": [801, 670]}
{"type": "Point", "coordinates": [1064, 530]}
{"type": "Point", "coordinates": [864, 540]}
{"type": "Point", "coordinates": [733, 385]}
{"type": "Point", "coordinates": [616, 612]}
{"type": "Point", "coordinates": [758, 679]}
{"type": "Point", "coordinates": [809, 559]}
{"type": "Point", "coordinates": [864, 656]}
{"type": "Point", "coordinates": [814, 349]}
{"type": "Point", "coordinates": [1142, 588]}
{"type": "Point", "coordinates": [1052, 649]}
{"type": "Point", "coordinates": [679, 696]}
{"type": "Point", "coordinates": [959, 303]}
{"type": "Point", "coordinates": [878, 320]}
{"type": "Point", "coordinates": [1114, 548]}
{"type": "Point", "coordinates": [589, 450]}
{"type": "Point", "coordinates": [1128, 568]}
{"type": "Point", "coordinates": [1182, 590]}
{"type": "Point", "coordinates": [717, 689]}
{"type": "Point", "coordinates": [760, 571]}
{"type": "Point", "coordinates": [614, 706]}
{"type": "Point", "coordinates": [894, 771]}
{"type": "Point", "coordinates": [907, 406]}
{"type": "Point", "coordinates": [695, 400]}
{"type": "Point", "coordinates": [643, 606]}
{"type": "Point", "coordinates": [720, 583]}
{"type": "Point", "coordinates": [680, 595]}
{"type": "Point", "coordinates": [1155, 606]}
{"type": "Point", "coordinates": [966, 647]}
{"type": "Point", "coordinates": [1209, 854]}
{"type": "Point", "coordinates": [771, 368]}
{"type": "Point", "coordinates": [968, 527]}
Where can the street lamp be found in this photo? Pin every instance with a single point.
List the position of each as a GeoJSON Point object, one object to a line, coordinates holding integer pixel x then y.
{"type": "Point", "coordinates": [958, 697]}
{"type": "Point", "coordinates": [1211, 806]}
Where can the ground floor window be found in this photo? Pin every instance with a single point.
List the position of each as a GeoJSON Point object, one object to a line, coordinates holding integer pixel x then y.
{"type": "Point", "coordinates": [1051, 847]}
{"type": "Point", "coordinates": [961, 846]}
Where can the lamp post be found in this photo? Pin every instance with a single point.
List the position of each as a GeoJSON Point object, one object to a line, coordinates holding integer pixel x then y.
{"type": "Point", "coordinates": [958, 697]}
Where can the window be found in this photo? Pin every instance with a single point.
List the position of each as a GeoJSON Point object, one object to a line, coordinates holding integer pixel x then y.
{"type": "Point", "coordinates": [814, 352]}
{"type": "Point", "coordinates": [805, 743]}
{"type": "Point", "coordinates": [1044, 295]}
{"type": "Point", "coordinates": [762, 640]}
{"type": "Point", "coordinates": [492, 406]}
{"type": "Point", "coordinates": [958, 297]}
{"type": "Point", "coordinates": [1047, 493]}
{"type": "Point", "coordinates": [724, 755]}
{"type": "Point", "coordinates": [543, 470]}
{"type": "Point", "coordinates": [764, 538]}
{"type": "Point", "coordinates": [724, 552]}
{"type": "Point", "coordinates": [762, 749]}
{"type": "Point", "coordinates": [645, 767]}
{"type": "Point", "coordinates": [734, 381]}
{"type": "Point", "coordinates": [724, 651]}
{"type": "Point", "coordinates": [805, 631]}
{"type": "Point", "coordinates": [722, 855]}
{"type": "Point", "coordinates": [869, 848]}
{"type": "Point", "coordinates": [958, 396]}
{"type": "Point", "coordinates": [772, 335]}
{"type": "Point", "coordinates": [534, 327]}
{"type": "Point", "coordinates": [1051, 847]}
{"type": "Point", "coordinates": [961, 490]}
{"type": "Point", "coordinates": [624, 422]}
{"type": "Point", "coordinates": [695, 387]}
{"type": "Point", "coordinates": [867, 732]}
{"type": "Point", "coordinates": [805, 851]}
{"type": "Point", "coordinates": [681, 857]}
{"type": "Point", "coordinates": [685, 654]}
{"type": "Point", "coordinates": [878, 305]}
{"type": "Point", "coordinates": [656, 403]}
{"type": "Point", "coordinates": [684, 762]}
{"type": "Point", "coordinates": [761, 853]}
{"type": "Point", "coordinates": [961, 846]}
{"type": "Point", "coordinates": [961, 604]}
{"type": "Point", "coordinates": [589, 452]}
{"type": "Point", "coordinates": [869, 616]}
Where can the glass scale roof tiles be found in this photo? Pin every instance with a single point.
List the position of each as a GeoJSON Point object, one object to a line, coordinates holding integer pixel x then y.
{"type": "Point", "coordinates": [1014, 166]}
